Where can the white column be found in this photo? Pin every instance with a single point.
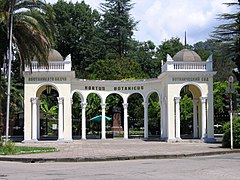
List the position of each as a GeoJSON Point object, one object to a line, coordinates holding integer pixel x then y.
{"type": "Point", "coordinates": [38, 119]}
{"type": "Point", "coordinates": [125, 106]}
{"type": "Point", "coordinates": [103, 121]}
{"type": "Point", "coordinates": [84, 105]}
{"type": "Point", "coordinates": [161, 120]}
{"type": "Point", "coordinates": [177, 109]}
{"type": "Point", "coordinates": [195, 118]}
{"type": "Point", "coordinates": [203, 101]}
{"type": "Point", "coordinates": [34, 118]}
{"type": "Point", "coordinates": [145, 105]}
{"type": "Point", "coordinates": [60, 118]}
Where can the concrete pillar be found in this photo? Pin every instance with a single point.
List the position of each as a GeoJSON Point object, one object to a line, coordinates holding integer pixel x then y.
{"type": "Point", "coordinates": [203, 102]}
{"type": "Point", "coordinates": [195, 118]}
{"type": "Point", "coordinates": [60, 119]}
{"type": "Point", "coordinates": [145, 105]}
{"type": "Point", "coordinates": [103, 121]}
{"type": "Point", "coordinates": [161, 120]}
{"type": "Point", "coordinates": [125, 106]}
{"type": "Point", "coordinates": [34, 118]}
{"type": "Point", "coordinates": [84, 105]}
{"type": "Point", "coordinates": [177, 117]}
{"type": "Point", "coordinates": [38, 119]}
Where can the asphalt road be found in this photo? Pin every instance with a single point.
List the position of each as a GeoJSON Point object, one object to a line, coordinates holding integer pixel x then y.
{"type": "Point", "coordinates": [220, 167]}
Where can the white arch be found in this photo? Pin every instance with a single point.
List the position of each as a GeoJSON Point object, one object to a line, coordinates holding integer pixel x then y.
{"type": "Point", "coordinates": [44, 84]}
{"type": "Point", "coordinates": [190, 83]}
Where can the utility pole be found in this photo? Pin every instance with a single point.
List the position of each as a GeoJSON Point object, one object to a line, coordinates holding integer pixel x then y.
{"type": "Point", "coordinates": [230, 90]}
{"type": "Point", "coordinates": [12, 2]}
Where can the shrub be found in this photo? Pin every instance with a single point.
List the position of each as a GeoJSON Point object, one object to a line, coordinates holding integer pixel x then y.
{"type": "Point", "coordinates": [236, 133]}
{"type": "Point", "coordinates": [9, 148]}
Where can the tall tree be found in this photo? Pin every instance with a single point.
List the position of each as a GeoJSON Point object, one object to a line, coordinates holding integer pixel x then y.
{"type": "Point", "coordinates": [221, 62]}
{"type": "Point", "coordinates": [32, 34]}
{"type": "Point", "coordinates": [170, 47]}
{"type": "Point", "coordinates": [32, 30]}
{"type": "Point", "coordinates": [229, 33]}
{"type": "Point", "coordinates": [77, 35]}
{"type": "Point", "coordinates": [145, 55]}
{"type": "Point", "coordinates": [117, 27]}
{"type": "Point", "coordinates": [123, 68]}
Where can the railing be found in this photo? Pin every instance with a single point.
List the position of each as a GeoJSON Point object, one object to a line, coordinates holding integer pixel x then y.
{"type": "Point", "coordinates": [187, 66]}
{"type": "Point", "coordinates": [52, 66]}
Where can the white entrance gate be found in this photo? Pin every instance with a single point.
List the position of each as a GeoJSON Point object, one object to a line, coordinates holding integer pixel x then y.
{"type": "Point", "coordinates": [196, 75]}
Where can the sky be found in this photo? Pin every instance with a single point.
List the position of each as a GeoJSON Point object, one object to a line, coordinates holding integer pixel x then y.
{"type": "Point", "coordinates": [160, 20]}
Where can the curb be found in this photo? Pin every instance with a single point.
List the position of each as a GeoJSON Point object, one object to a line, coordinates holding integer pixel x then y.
{"type": "Point", "coordinates": [117, 158]}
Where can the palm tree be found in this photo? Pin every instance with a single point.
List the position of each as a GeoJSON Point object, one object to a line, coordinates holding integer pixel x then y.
{"type": "Point", "coordinates": [32, 30]}
{"type": "Point", "coordinates": [32, 36]}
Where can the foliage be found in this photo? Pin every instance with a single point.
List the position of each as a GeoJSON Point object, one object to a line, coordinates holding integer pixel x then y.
{"type": "Point", "coordinates": [8, 148]}
{"type": "Point", "coordinates": [48, 106]}
{"type": "Point", "coordinates": [154, 114]}
{"type": "Point", "coordinates": [229, 33]}
{"type": "Point", "coordinates": [236, 133]}
{"type": "Point", "coordinates": [145, 55]}
{"type": "Point", "coordinates": [93, 105]}
{"type": "Point", "coordinates": [32, 38]}
{"type": "Point", "coordinates": [170, 47]}
{"type": "Point", "coordinates": [32, 30]}
{"type": "Point", "coordinates": [186, 110]}
{"type": "Point", "coordinates": [116, 70]}
{"type": "Point", "coordinates": [222, 64]}
{"type": "Point", "coordinates": [76, 106]}
{"type": "Point", "coordinates": [117, 27]}
{"type": "Point", "coordinates": [78, 34]}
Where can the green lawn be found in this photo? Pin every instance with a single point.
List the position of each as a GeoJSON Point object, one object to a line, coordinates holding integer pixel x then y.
{"type": "Point", "coordinates": [14, 150]}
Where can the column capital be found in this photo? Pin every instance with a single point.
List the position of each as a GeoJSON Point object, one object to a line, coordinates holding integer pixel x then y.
{"type": "Point", "coordinates": [145, 104]}
{"type": "Point", "coordinates": [60, 100]}
{"type": "Point", "coordinates": [83, 105]}
{"type": "Point", "coordinates": [177, 99]}
{"type": "Point", "coordinates": [103, 105]}
{"type": "Point", "coordinates": [203, 99]}
{"type": "Point", "coordinates": [125, 105]}
{"type": "Point", "coordinates": [195, 101]}
{"type": "Point", "coordinates": [34, 100]}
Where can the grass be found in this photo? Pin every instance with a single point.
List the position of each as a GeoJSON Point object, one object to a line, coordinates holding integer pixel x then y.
{"type": "Point", "coordinates": [11, 149]}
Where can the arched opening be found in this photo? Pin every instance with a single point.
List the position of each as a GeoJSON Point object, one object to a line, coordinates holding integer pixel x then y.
{"type": "Point", "coordinates": [93, 109]}
{"type": "Point", "coordinates": [76, 116]}
{"type": "Point", "coordinates": [190, 112]}
{"type": "Point", "coordinates": [154, 114]}
{"type": "Point", "coordinates": [135, 116]}
{"type": "Point", "coordinates": [48, 113]}
{"type": "Point", "coordinates": [114, 110]}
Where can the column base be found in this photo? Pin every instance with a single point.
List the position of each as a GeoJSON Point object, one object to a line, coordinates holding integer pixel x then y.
{"type": "Point", "coordinates": [30, 141]}
{"type": "Point", "coordinates": [172, 140]}
{"type": "Point", "coordinates": [65, 141]}
{"type": "Point", "coordinates": [209, 140]}
{"type": "Point", "coordinates": [178, 139]}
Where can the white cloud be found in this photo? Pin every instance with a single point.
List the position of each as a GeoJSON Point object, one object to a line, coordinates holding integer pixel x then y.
{"type": "Point", "coordinates": [162, 19]}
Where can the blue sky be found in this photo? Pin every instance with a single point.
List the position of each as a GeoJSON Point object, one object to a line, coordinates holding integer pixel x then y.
{"type": "Point", "coordinates": [160, 20]}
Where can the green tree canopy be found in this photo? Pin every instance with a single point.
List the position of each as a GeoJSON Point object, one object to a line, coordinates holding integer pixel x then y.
{"type": "Point", "coordinates": [32, 30]}
{"type": "Point", "coordinates": [116, 70]}
{"type": "Point", "coordinates": [229, 33]}
{"type": "Point", "coordinates": [117, 27]}
{"type": "Point", "coordinates": [170, 47]}
{"type": "Point", "coordinates": [77, 26]}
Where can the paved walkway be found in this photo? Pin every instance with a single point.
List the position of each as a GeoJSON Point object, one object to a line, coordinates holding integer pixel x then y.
{"type": "Point", "coordinates": [117, 149]}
